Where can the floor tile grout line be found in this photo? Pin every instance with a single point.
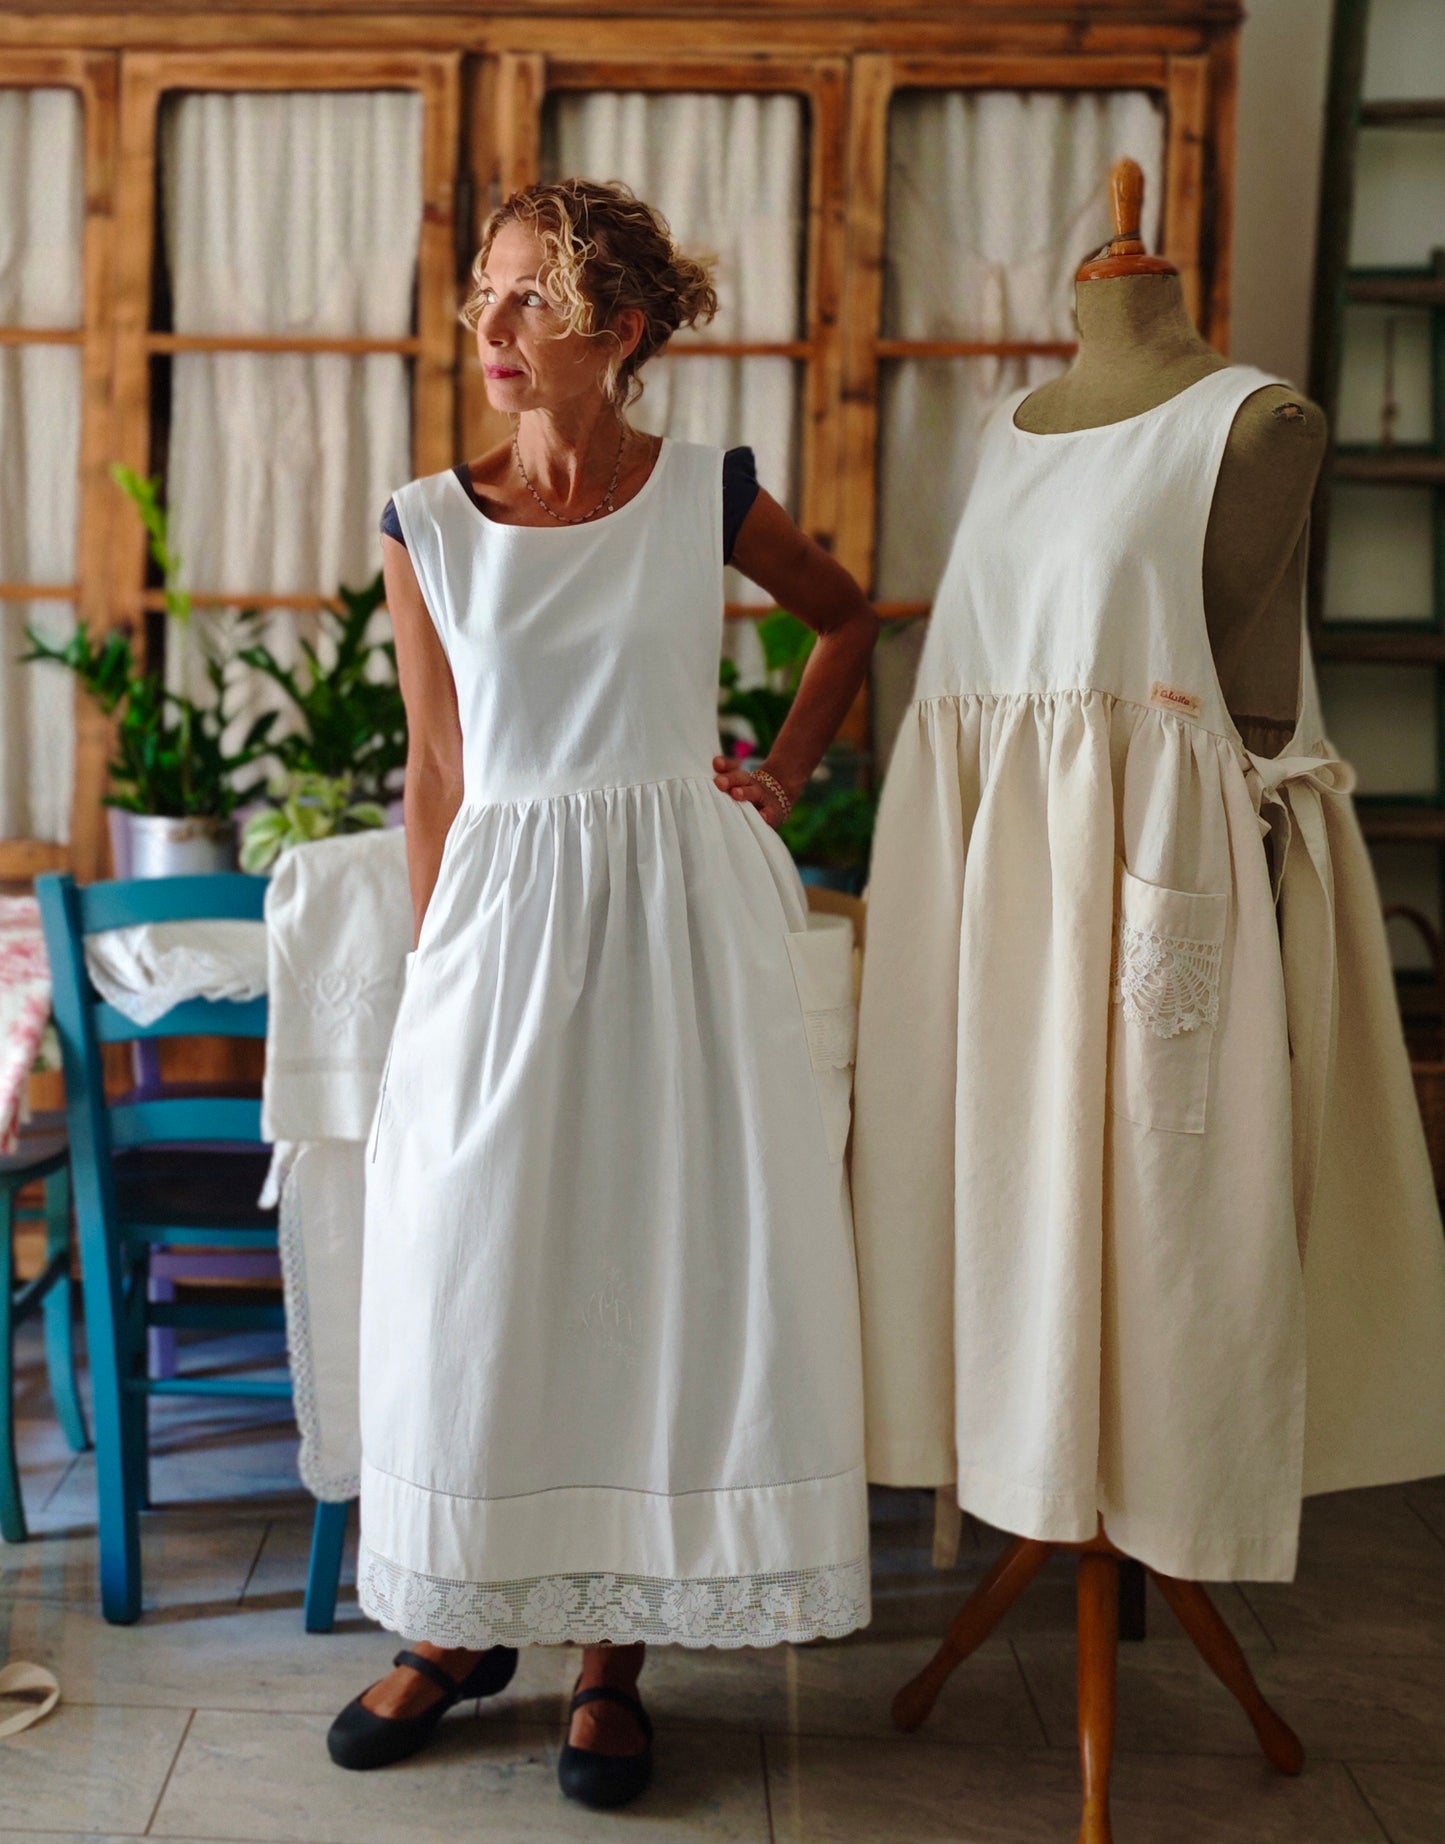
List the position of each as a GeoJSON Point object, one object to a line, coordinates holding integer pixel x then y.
{"type": "Point", "coordinates": [1034, 1704]}
{"type": "Point", "coordinates": [69, 1468]}
{"type": "Point", "coordinates": [155, 1809]}
{"type": "Point", "coordinates": [1385, 1831]}
{"type": "Point", "coordinates": [1416, 1512]}
{"type": "Point", "coordinates": [1259, 1625]}
{"type": "Point", "coordinates": [255, 1560]}
{"type": "Point", "coordinates": [1258, 1618]}
{"type": "Point", "coordinates": [767, 1786]}
{"type": "Point", "coordinates": [537, 1727]}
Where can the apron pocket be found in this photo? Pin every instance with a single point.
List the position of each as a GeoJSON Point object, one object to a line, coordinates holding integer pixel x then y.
{"type": "Point", "coordinates": [375, 1135]}
{"type": "Point", "coordinates": [822, 960]}
{"type": "Point", "coordinates": [1168, 955]}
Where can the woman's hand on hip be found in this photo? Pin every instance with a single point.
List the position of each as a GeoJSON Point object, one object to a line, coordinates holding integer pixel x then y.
{"type": "Point", "coordinates": [738, 784]}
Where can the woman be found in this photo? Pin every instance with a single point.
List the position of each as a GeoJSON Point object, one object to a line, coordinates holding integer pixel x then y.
{"type": "Point", "coordinates": [610, 1359]}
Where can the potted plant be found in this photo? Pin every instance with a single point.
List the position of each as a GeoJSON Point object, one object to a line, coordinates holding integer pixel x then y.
{"type": "Point", "coordinates": [307, 807]}
{"type": "Point", "coordinates": [830, 827]}
{"type": "Point", "coordinates": [174, 784]}
{"type": "Point", "coordinates": [341, 761]}
{"type": "Point", "coordinates": [346, 705]}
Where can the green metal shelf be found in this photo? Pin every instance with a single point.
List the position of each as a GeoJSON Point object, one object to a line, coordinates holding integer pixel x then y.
{"type": "Point", "coordinates": [1391, 467]}
{"type": "Point", "coordinates": [1339, 287]}
{"type": "Point", "coordinates": [1380, 643]}
{"type": "Point", "coordinates": [1408, 288]}
{"type": "Point", "coordinates": [1395, 821]}
{"type": "Point", "coordinates": [1409, 112]}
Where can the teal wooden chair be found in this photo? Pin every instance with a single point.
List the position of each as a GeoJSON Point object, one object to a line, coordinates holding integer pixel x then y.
{"type": "Point", "coordinates": [42, 1157]}
{"type": "Point", "coordinates": [151, 1172]}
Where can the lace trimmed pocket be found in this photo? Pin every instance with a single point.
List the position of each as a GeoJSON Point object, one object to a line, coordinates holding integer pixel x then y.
{"type": "Point", "coordinates": [1165, 986]}
{"type": "Point", "coordinates": [822, 959]}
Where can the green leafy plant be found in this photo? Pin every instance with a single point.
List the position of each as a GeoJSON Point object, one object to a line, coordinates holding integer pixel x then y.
{"type": "Point", "coordinates": [787, 643]}
{"type": "Point", "coordinates": [351, 722]}
{"type": "Point", "coordinates": [170, 756]}
{"type": "Point", "coordinates": [309, 807]}
{"type": "Point", "coordinates": [831, 822]}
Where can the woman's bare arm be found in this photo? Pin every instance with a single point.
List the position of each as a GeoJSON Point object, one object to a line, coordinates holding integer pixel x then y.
{"type": "Point", "coordinates": [801, 577]}
{"type": "Point", "coordinates": [434, 731]}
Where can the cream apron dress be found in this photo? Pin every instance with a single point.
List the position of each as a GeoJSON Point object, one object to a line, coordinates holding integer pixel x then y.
{"type": "Point", "coordinates": [1145, 1222]}
{"type": "Point", "coordinates": [610, 1373]}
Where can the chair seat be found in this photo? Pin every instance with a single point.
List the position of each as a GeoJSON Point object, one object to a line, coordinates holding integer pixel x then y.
{"type": "Point", "coordinates": [192, 1188]}
{"type": "Point", "coordinates": [41, 1138]}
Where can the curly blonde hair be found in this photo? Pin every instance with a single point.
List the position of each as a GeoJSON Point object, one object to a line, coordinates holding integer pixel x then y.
{"type": "Point", "coordinates": [605, 249]}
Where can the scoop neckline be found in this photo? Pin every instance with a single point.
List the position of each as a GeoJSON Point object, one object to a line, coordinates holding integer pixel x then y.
{"type": "Point", "coordinates": [468, 492]}
{"type": "Point", "coordinates": [1121, 422]}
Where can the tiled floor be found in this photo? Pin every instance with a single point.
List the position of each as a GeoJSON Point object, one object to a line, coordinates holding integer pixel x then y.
{"type": "Point", "coordinates": [206, 1720]}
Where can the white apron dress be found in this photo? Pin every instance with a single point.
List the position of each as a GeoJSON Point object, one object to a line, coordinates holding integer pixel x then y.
{"type": "Point", "coordinates": [1145, 1222]}
{"type": "Point", "coordinates": [610, 1373]}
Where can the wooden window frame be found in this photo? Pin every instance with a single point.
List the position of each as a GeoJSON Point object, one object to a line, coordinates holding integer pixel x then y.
{"type": "Point", "coordinates": [1183, 84]}
{"type": "Point", "coordinates": [94, 76]}
{"type": "Point", "coordinates": [146, 78]}
{"type": "Point", "coordinates": [499, 68]}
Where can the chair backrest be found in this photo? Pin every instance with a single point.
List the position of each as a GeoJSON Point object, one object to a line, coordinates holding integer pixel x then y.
{"type": "Point", "coordinates": [84, 1021]}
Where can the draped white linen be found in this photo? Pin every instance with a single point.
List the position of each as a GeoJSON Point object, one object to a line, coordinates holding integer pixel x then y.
{"type": "Point", "coordinates": [296, 214]}
{"type": "Point", "coordinates": [727, 172]}
{"type": "Point", "coordinates": [42, 207]}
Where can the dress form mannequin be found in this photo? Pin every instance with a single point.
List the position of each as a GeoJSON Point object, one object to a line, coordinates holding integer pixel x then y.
{"type": "Point", "coordinates": [1137, 350]}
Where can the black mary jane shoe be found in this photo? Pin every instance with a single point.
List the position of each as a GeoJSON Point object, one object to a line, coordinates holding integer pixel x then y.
{"type": "Point", "coordinates": [359, 1738]}
{"type": "Point", "coordinates": [603, 1780]}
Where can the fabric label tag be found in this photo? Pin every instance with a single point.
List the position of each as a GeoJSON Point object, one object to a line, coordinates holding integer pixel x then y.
{"type": "Point", "coordinates": [1171, 698]}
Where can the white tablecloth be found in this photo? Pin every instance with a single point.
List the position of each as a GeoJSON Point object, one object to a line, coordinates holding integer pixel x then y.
{"type": "Point", "coordinates": [339, 925]}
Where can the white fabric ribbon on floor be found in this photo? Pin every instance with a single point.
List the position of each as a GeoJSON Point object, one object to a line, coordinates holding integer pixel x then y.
{"type": "Point", "coordinates": [1289, 794]}
{"type": "Point", "coordinates": [16, 1680]}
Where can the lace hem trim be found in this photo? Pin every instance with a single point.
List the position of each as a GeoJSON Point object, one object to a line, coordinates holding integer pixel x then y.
{"type": "Point", "coordinates": [319, 1479]}
{"type": "Point", "coordinates": [727, 1611]}
{"type": "Point", "coordinates": [1165, 983]}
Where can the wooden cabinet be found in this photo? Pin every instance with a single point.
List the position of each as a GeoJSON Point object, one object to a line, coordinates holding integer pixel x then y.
{"type": "Point", "coordinates": [488, 78]}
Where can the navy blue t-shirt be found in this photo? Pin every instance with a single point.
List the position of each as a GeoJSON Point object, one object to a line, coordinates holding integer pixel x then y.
{"type": "Point", "coordinates": [740, 489]}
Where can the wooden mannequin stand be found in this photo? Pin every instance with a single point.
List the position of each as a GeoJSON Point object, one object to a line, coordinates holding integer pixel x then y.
{"type": "Point", "coordinates": [1099, 1565]}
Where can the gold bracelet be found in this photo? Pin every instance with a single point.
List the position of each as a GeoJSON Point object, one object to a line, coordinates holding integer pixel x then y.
{"type": "Point", "coordinates": [775, 788]}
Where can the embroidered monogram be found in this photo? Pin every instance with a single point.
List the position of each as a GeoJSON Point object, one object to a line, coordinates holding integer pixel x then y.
{"type": "Point", "coordinates": [1173, 698]}
{"type": "Point", "coordinates": [333, 994]}
{"type": "Point", "coordinates": [610, 1315]}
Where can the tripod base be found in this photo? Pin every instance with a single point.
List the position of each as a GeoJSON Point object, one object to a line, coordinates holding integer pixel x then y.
{"type": "Point", "coordinates": [1099, 1565]}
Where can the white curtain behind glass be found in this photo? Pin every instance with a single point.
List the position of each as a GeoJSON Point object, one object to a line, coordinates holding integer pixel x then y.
{"type": "Point", "coordinates": [42, 207]}
{"type": "Point", "coordinates": [727, 172]}
{"type": "Point", "coordinates": [293, 214]}
{"type": "Point", "coordinates": [994, 199]}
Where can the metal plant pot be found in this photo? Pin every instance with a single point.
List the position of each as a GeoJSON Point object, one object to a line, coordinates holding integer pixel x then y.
{"type": "Point", "coordinates": [156, 845]}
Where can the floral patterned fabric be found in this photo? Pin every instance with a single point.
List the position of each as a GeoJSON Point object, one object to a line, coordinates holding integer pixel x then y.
{"type": "Point", "coordinates": [27, 1039]}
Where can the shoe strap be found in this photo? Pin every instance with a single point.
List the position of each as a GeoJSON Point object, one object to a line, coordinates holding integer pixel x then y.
{"type": "Point", "coordinates": [607, 1693]}
{"type": "Point", "coordinates": [429, 1669]}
